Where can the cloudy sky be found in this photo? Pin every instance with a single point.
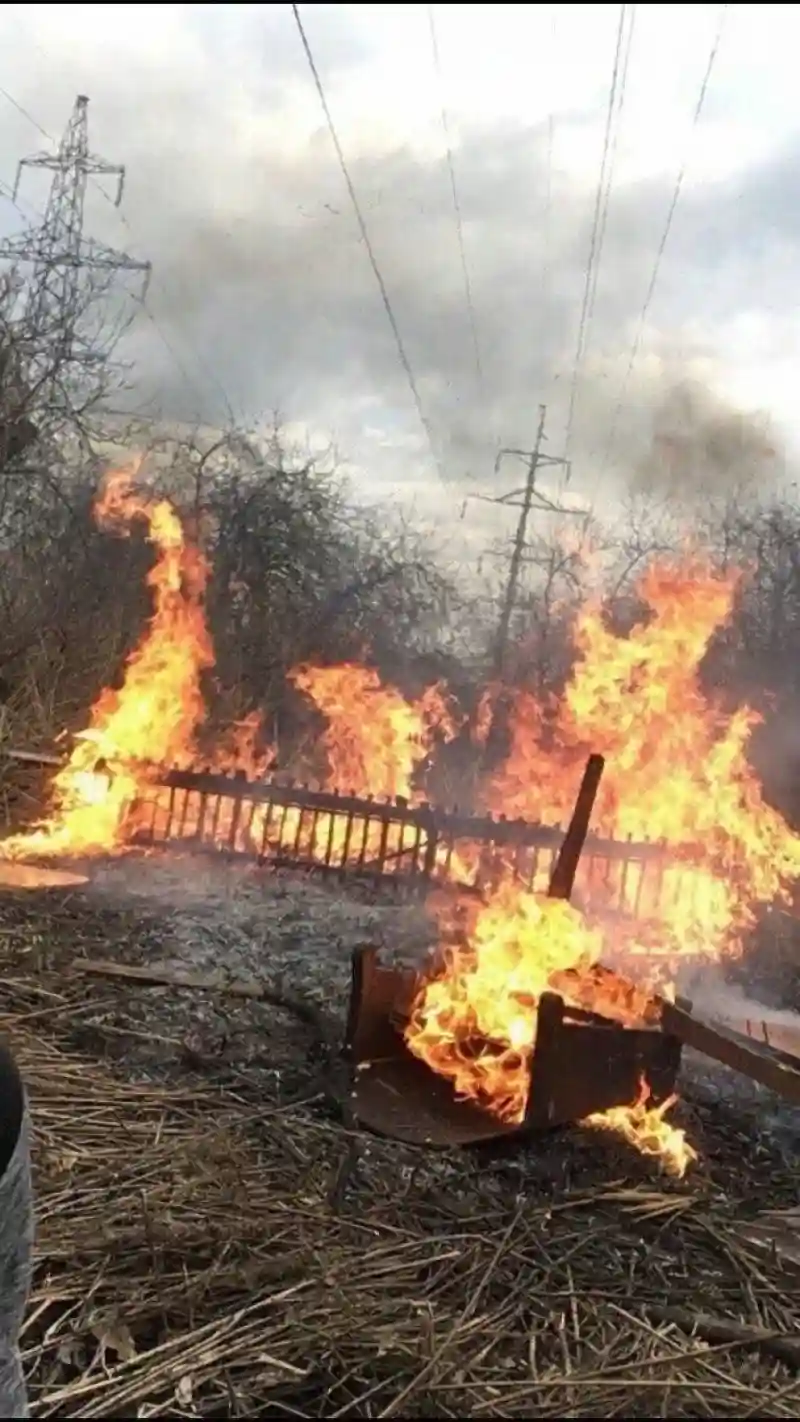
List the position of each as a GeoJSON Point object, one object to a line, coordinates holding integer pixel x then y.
{"type": "Point", "coordinates": [263, 295]}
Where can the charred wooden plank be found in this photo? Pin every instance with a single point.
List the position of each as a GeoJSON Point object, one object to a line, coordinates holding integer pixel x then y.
{"type": "Point", "coordinates": [782, 1037]}
{"type": "Point", "coordinates": [35, 758]}
{"type": "Point", "coordinates": [760, 1063]}
{"type": "Point", "coordinates": [609, 993]}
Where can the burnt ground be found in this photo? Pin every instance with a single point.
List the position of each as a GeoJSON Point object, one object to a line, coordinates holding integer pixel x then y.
{"type": "Point", "coordinates": [215, 1240]}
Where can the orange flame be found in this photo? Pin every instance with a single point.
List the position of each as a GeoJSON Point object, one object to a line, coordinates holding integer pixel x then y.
{"type": "Point", "coordinates": [676, 765]}
{"type": "Point", "coordinates": [676, 771]}
{"type": "Point", "coordinates": [374, 738]}
{"type": "Point", "coordinates": [644, 1126]}
{"type": "Point", "coordinates": [474, 1022]}
{"type": "Point", "coordinates": [152, 718]}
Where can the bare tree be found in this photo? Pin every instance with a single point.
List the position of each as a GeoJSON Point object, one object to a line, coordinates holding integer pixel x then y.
{"type": "Point", "coordinates": [17, 430]}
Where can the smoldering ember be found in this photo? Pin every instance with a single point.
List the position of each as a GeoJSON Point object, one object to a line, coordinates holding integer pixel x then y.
{"type": "Point", "coordinates": [351, 1100]}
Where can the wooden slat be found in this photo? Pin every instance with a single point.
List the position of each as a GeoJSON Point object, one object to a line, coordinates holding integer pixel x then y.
{"type": "Point", "coordinates": [35, 758]}
{"type": "Point", "coordinates": [782, 1037]}
{"type": "Point", "coordinates": [753, 1059]}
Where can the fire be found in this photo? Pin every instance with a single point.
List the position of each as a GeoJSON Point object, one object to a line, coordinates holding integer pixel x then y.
{"type": "Point", "coordinates": [374, 739]}
{"type": "Point", "coordinates": [644, 1126]}
{"type": "Point", "coordinates": [676, 772]}
{"type": "Point", "coordinates": [474, 1022]}
{"type": "Point", "coordinates": [152, 718]}
{"type": "Point", "coordinates": [677, 768]}
{"type": "Point", "coordinates": [374, 743]}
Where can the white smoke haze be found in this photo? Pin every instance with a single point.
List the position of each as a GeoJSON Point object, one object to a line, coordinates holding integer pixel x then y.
{"type": "Point", "coordinates": [711, 992]}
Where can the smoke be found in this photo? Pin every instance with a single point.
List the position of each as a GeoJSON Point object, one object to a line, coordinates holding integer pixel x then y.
{"type": "Point", "coordinates": [701, 447]}
{"type": "Point", "coordinates": [170, 881]}
{"type": "Point", "coordinates": [712, 995]}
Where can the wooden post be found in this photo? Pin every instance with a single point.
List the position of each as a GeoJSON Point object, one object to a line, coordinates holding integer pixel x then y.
{"type": "Point", "coordinates": [562, 879]}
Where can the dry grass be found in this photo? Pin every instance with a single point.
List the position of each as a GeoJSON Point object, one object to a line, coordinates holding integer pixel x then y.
{"type": "Point", "coordinates": [209, 1251]}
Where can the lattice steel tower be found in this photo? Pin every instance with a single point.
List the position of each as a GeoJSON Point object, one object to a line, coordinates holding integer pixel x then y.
{"type": "Point", "coordinates": [56, 297]}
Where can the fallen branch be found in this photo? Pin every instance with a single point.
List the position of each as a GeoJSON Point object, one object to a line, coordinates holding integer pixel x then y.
{"type": "Point", "coordinates": [249, 988]}
{"type": "Point", "coordinates": [781, 1347]}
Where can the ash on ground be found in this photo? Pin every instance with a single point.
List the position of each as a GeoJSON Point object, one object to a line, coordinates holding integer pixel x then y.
{"type": "Point", "coordinates": [295, 934]}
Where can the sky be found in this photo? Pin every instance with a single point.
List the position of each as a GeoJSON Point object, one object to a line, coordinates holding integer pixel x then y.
{"type": "Point", "coordinates": [263, 299]}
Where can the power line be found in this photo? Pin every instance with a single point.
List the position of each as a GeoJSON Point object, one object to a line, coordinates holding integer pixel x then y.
{"type": "Point", "coordinates": [15, 104]}
{"type": "Point", "coordinates": [456, 202]}
{"type": "Point", "coordinates": [169, 347]}
{"type": "Point", "coordinates": [387, 305]}
{"type": "Point", "coordinates": [623, 84]}
{"type": "Point", "coordinates": [676, 194]}
{"type": "Point", "coordinates": [598, 227]}
{"type": "Point", "coordinates": [552, 59]}
{"type": "Point", "coordinates": [546, 270]}
{"type": "Point", "coordinates": [545, 277]}
{"type": "Point", "coordinates": [548, 205]}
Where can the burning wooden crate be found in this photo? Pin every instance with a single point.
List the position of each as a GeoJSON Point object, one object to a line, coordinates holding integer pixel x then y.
{"type": "Point", "coordinates": [580, 1063]}
{"type": "Point", "coordinates": [577, 1062]}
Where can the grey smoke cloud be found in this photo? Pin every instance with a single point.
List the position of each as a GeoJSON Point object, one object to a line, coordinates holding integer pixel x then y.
{"type": "Point", "coordinates": [701, 447]}
{"type": "Point", "coordinates": [263, 288]}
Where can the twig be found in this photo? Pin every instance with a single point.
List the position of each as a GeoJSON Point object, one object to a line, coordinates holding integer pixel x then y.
{"type": "Point", "coordinates": [718, 1330]}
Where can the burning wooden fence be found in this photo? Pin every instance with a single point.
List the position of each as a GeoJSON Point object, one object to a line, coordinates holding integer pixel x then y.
{"type": "Point", "coordinates": [394, 842]}
{"type": "Point", "coordinates": [289, 824]}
